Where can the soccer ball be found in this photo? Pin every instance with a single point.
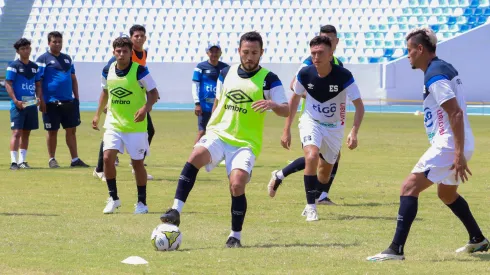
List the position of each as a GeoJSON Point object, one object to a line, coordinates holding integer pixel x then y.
{"type": "Point", "coordinates": [166, 237]}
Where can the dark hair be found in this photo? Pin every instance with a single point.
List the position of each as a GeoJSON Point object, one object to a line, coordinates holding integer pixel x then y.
{"type": "Point", "coordinates": [420, 37]}
{"type": "Point", "coordinates": [136, 28]}
{"type": "Point", "coordinates": [122, 42]}
{"type": "Point", "coordinates": [54, 34]}
{"type": "Point", "coordinates": [319, 40]}
{"type": "Point", "coordinates": [252, 37]}
{"type": "Point", "coordinates": [21, 43]}
{"type": "Point", "coordinates": [328, 29]}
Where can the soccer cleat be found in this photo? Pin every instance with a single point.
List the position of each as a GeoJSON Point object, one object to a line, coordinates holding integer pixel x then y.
{"type": "Point", "coordinates": [148, 176]}
{"type": "Point", "coordinates": [14, 166]}
{"type": "Point", "coordinates": [273, 184]}
{"type": "Point", "coordinates": [53, 163]}
{"type": "Point", "coordinates": [111, 205]}
{"type": "Point", "coordinates": [311, 214]}
{"type": "Point", "coordinates": [326, 201]}
{"type": "Point", "coordinates": [24, 165]}
{"type": "Point", "coordinates": [171, 216]}
{"type": "Point", "coordinates": [78, 163]}
{"type": "Point", "coordinates": [99, 175]}
{"type": "Point", "coordinates": [233, 242]}
{"type": "Point", "coordinates": [388, 254]}
{"type": "Point", "coordinates": [482, 246]}
{"type": "Point", "coordinates": [140, 208]}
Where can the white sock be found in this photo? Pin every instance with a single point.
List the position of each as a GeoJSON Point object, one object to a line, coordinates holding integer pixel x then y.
{"type": "Point", "coordinates": [74, 159]}
{"type": "Point", "coordinates": [178, 204]}
{"type": "Point", "coordinates": [280, 175]}
{"type": "Point", "coordinates": [13, 156]}
{"type": "Point", "coordinates": [50, 159]}
{"type": "Point", "coordinates": [235, 234]}
{"type": "Point", "coordinates": [323, 196]}
{"type": "Point", "coordinates": [312, 206]}
{"type": "Point", "coordinates": [23, 155]}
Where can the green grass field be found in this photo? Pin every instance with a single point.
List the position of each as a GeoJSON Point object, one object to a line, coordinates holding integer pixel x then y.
{"type": "Point", "coordinates": [52, 223]}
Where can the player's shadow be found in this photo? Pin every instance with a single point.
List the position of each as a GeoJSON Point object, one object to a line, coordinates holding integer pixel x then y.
{"type": "Point", "coordinates": [482, 257]}
{"type": "Point", "coordinates": [29, 214]}
{"type": "Point", "coordinates": [368, 204]}
{"type": "Point", "coordinates": [278, 245]}
{"type": "Point", "coordinates": [354, 217]}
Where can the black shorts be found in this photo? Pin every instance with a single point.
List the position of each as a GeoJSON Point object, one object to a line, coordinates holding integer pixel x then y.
{"type": "Point", "coordinates": [64, 113]}
{"type": "Point", "coordinates": [203, 120]}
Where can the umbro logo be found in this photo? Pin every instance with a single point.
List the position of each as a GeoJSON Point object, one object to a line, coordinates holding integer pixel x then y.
{"type": "Point", "coordinates": [120, 92]}
{"type": "Point", "coordinates": [310, 86]}
{"type": "Point", "coordinates": [21, 70]}
{"type": "Point", "coordinates": [238, 97]}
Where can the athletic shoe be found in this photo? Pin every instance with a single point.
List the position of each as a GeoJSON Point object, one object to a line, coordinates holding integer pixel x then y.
{"type": "Point", "coordinates": [148, 176]}
{"type": "Point", "coordinates": [78, 163]}
{"type": "Point", "coordinates": [311, 214]}
{"type": "Point", "coordinates": [140, 208]}
{"type": "Point", "coordinates": [388, 254]}
{"type": "Point", "coordinates": [24, 165]}
{"type": "Point", "coordinates": [14, 166]}
{"type": "Point", "coordinates": [274, 183]}
{"type": "Point", "coordinates": [171, 216]}
{"type": "Point", "coordinates": [233, 242]}
{"type": "Point", "coordinates": [474, 247]}
{"type": "Point", "coordinates": [326, 201]}
{"type": "Point", "coordinates": [99, 175]}
{"type": "Point", "coordinates": [53, 164]}
{"type": "Point", "coordinates": [111, 205]}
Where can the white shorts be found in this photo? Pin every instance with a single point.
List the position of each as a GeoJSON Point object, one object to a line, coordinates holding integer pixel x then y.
{"type": "Point", "coordinates": [235, 157]}
{"type": "Point", "coordinates": [328, 140]}
{"type": "Point", "coordinates": [436, 162]}
{"type": "Point", "coordinates": [136, 143]}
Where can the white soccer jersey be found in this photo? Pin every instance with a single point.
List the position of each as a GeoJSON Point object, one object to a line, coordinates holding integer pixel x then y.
{"type": "Point", "coordinates": [326, 96]}
{"type": "Point", "coordinates": [443, 83]}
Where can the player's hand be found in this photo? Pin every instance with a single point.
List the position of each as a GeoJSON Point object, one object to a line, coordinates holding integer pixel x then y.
{"type": "Point", "coordinates": [198, 110]}
{"type": "Point", "coordinates": [286, 139]}
{"type": "Point", "coordinates": [42, 106]}
{"type": "Point", "coordinates": [263, 105]}
{"type": "Point", "coordinates": [18, 104]}
{"type": "Point", "coordinates": [140, 114]}
{"type": "Point", "coordinates": [95, 123]}
{"type": "Point", "coordinates": [461, 167]}
{"type": "Point", "coordinates": [352, 141]}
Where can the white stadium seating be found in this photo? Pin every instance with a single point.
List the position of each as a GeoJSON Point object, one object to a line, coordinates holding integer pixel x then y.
{"type": "Point", "coordinates": [370, 31]}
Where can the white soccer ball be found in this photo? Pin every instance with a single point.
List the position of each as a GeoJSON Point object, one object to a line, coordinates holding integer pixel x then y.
{"type": "Point", "coordinates": [166, 237]}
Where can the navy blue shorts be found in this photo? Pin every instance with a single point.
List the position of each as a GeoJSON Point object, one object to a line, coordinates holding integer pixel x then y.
{"type": "Point", "coordinates": [25, 119]}
{"type": "Point", "coordinates": [203, 120]}
{"type": "Point", "coordinates": [64, 113]}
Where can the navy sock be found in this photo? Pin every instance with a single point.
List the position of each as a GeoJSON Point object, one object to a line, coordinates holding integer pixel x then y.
{"type": "Point", "coordinates": [111, 185]}
{"type": "Point", "coordinates": [293, 167]}
{"type": "Point", "coordinates": [310, 188]}
{"type": "Point", "coordinates": [142, 194]}
{"type": "Point", "coordinates": [186, 181]}
{"type": "Point", "coordinates": [238, 210]}
{"type": "Point", "coordinates": [100, 161]}
{"type": "Point", "coordinates": [461, 209]}
{"type": "Point", "coordinates": [406, 215]}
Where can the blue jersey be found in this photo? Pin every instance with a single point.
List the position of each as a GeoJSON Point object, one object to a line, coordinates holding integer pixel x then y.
{"type": "Point", "coordinates": [207, 76]}
{"type": "Point", "coordinates": [56, 74]}
{"type": "Point", "coordinates": [24, 78]}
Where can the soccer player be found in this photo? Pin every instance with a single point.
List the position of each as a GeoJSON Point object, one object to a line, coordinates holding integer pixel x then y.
{"type": "Point", "coordinates": [126, 121]}
{"type": "Point", "coordinates": [137, 35]}
{"type": "Point", "coordinates": [323, 120]}
{"type": "Point", "coordinates": [299, 164]}
{"type": "Point", "coordinates": [204, 87]}
{"type": "Point", "coordinates": [60, 92]}
{"type": "Point", "coordinates": [234, 132]}
{"type": "Point", "coordinates": [451, 146]}
{"type": "Point", "coordinates": [23, 84]}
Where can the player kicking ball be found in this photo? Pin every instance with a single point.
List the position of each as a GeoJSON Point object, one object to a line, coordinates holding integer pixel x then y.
{"type": "Point", "coordinates": [451, 145]}
{"type": "Point", "coordinates": [126, 124]}
{"type": "Point", "coordinates": [234, 133]}
{"type": "Point", "coordinates": [322, 123]}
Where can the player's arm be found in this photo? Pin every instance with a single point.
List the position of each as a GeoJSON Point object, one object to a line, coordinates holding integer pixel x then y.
{"type": "Point", "coordinates": [355, 96]}
{"type": "Point", "coordinates": [299, 92]}
{"type": "Point", "coordinates": [196, 82]}
{"type": "Point", "coordinates": [146, 81]}
{"type": "Point", "coordinates": [275, 97]}
{"type": "Point", "coordinates": [9, 86]}
{"type": "Point", "coordinates": [219, 87]}
{"type": "Point", "coordinates": [103, 98]}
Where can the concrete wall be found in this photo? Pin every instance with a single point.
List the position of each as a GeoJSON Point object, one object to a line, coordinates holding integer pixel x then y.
{"type": "Point", "coordinates": [467, 52]}
{"type": "Point", "coordinates": [174, 79]}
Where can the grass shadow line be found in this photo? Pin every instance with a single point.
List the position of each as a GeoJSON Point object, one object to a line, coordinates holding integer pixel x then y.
{"type": "Point", "coordinates": [29, 214]}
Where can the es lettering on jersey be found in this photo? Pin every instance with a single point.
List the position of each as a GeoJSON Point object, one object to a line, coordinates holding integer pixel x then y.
{"type": "Point", "coordinates": [326, 96]}
{"type": "Point", "coordinates": [56, 74]}
{"type": "Point", "coordinates": [205, 79]}
{"type": "Point", "coordinates": [442, 83]}
{"type": "Point", "coordinates": [24, 78]}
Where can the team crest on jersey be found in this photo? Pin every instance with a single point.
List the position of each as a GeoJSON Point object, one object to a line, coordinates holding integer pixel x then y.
{"type": "Point", "coordinates": [334, 89]}
{"type": "Point", "coordinates": [207, 71]}
{"type": "Point", "coordinates": [34, 70]}
{"type": "Point", "coordinates": [310, 86]}
{"type": "Point", "coordinates": [52, 62]}
{"type": "Point", "coordinates": [21, 70]}
{"type": "Point", "coordinates": [67, 61]}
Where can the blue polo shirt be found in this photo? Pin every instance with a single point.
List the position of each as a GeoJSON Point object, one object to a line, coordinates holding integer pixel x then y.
{"type": "Point", "coordinates": [56, 72]}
